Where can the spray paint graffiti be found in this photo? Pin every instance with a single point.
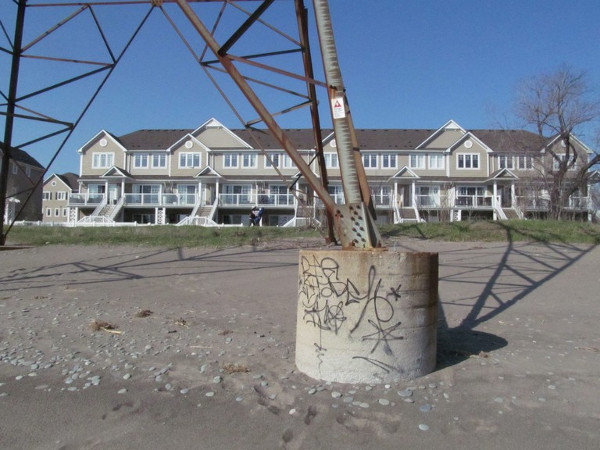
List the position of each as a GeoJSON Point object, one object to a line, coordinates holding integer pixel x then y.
{"type": "Point", "coordinates": [327, 299]}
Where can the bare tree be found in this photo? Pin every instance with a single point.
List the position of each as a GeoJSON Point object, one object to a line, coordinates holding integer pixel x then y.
{"type": "Point", "coordinates": [557, 105]}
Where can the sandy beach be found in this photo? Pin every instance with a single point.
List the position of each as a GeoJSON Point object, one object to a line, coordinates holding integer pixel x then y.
{"type": "Point", "coordinates": [114, 347]}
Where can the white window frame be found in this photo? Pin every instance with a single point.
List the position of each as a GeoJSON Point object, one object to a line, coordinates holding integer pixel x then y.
{"type": "Point", "coordinates": [15, 168]}
{"type": "Point", "coordinates": [275, 157]}
{"type": "Point", "coordinates": [159, 160]}
{"type": "Point", "coordinates": [61, 195]}
{"type": "Point", "coordinates": [287, 162]}
{"type": "Point", "coordinates": [65, 212]}
{"type": "Point", "coordinates": [562, 157]}
{"type": "Point", "coordinates": [440, 161]}
{"type": "Point", "coordinates": [506, 162]}
{"type": "Point", "coordinates": [231, 160]}
{"type": "Point", "coordinates": [331, 160]}
{"type": "Point", "coordinates": [389, 161]}
{"type": "Point", "coordinates": [472, 158]}
{"type": "Point", "coordinates": [47, 195]}
{"type": "Point", "coordinates": [249, 160]}
{"type": "Point", "coordinates": [416, 161]}
{"type": "Point", "coordinates": [141, 161]}
{"type": "Point", "coordinates": [48, 212]}
{"type": "Point", "coordinates": [56, 212]}
{"type": "Point", "coordinates": [369, 160]}
{"type": "Point", "coordinates": [527, 162]}
{"type": "Point", "coordinates": [28, 171]}
{"type": "Point", "coordinates": [191, 160]}
{"type": "Point", "coordinates": [103, 160]}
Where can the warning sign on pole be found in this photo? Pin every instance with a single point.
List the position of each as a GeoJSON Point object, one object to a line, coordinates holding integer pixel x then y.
{"type": "Point", "coordinates": [337, 106]}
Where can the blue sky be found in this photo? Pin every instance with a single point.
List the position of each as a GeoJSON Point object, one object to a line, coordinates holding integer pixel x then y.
{"type": "Point", "coordinates": [405, 64]}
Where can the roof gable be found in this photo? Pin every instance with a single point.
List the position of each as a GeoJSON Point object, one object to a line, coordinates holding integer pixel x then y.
{"type": "Point", "coordinates": [443, 136]}
{"type": "Point", "coordinates": [208, 172]}
{"type": "Point", "coordinates": [102, 134]}
{"type": "Point", "coordinates": [115, 172]}
{"type": "Point", "coordinates": [503, 174]}
{"type": "Point", "coordinates": [405, 172]}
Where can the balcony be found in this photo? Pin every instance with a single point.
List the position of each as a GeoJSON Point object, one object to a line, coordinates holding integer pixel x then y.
{"type": "Point", "coordinates": [156, 200]}
{"type": "Point", "coordinates": [246, 200]}
{"type": "Point", "coordinates": [88, 199]}
{"type": "Point", "coordinates": [474, 201]}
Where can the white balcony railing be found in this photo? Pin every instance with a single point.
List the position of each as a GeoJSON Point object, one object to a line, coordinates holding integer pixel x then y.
{"type": "Point", "coordinates": [87, 199]}
{"type": "Point", "coordinates": [474, 201]}
{"type": "Point", "coordinates": [276, 199]}
{"type": "Point", "coordinates": [157, 199]}
{"type": "Point", "coordinates": [237, 199]}
{"type": "Point", "coordinates": [429, 201]}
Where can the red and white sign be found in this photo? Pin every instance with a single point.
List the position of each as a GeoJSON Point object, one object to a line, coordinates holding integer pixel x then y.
{"type": "Point", "coordinates": [337, 107]}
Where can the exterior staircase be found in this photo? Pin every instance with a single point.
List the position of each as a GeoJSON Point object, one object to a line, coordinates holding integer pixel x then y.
{"type": "Point", "coordinates": [407, 215]}
{"type": "Point", "coordinates": [511, 214]}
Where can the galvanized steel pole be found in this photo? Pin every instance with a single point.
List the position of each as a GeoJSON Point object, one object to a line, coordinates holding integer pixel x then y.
{"type": "Point", "coordinates": [356, 223]}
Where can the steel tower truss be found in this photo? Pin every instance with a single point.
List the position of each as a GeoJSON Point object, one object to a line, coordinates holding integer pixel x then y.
{"type": "Point", "coordinates": [353, 221]}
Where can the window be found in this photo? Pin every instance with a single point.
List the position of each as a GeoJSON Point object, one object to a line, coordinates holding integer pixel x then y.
{"type": "Point", "coordinates": [140, 160]}
{"type": "Point", "coordinates": [389, 161]}
{"type": "Point", "coordinates": [505, 162]}
{"type": "Point", "coordinates": [556, 166]}
{"type": "Point", "coordinates": [188, 160]}
{"type": "Point", "coordinates": [230, 160]}
{"type": "Point", "coordinates": [48, 212]}
{"type": "Point", "coordinates": [468, 161]}
{"type": "Point", "coordinates": [417, 161]}
{"type": "Point", "coordinates": [57, 212]}
{"type": "Point", "coordinates": [28, 171]}
{"type": "Point", "coordinates": [61, 195]}
{"type": "Point", "coordinates": [15, 168]}
{"type": "Point", "coordinates": [337, 193]}
{"type": "Point", "coordinates": [436, 161]}
{"type": "Point", "coordinates": [159, 161]}
{"type": "Point", "coordinates": [249, 160]}
{"type": "Point", "coordinates": [274, 159]}
{"type": "Point", "coordinates": [369, 161]}
{"type": "Point", "coordinates": [65, 212]}
{"type": "Point", "coordinates": [288, 163]}
{"type": "Point", "coordinates": [331, 160]}
{"type": "Point", "coordinates": [102, 160]}
{"type": "Point", "coordinates": [46, 195]}
{"type": "Point", "coordinates": [524, 162]}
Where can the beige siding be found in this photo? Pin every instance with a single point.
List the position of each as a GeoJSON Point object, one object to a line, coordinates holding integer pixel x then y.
{"type": "Point", "coordinates": [55, 188]}
{"type": "Point", "coordinates": [220, 138]}
{"type": "Point", "coordinates": [475, 149]}
{"type": "Point", "coordinates": [96, 147]}
{"type": "Point", "coordinates": [190, 147]}
{"type": "Point", "coordinates": [445, 139]}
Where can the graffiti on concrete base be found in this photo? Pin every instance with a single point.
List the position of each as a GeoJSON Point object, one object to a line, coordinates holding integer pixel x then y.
{"type": "Point", "coordinates": [326, 300]}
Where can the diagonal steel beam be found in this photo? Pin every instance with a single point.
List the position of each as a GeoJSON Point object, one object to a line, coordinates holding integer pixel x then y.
{"type": "Point", "coordinates": [244, 27]}
{"type": "Point", "coordinates": [259, 107]}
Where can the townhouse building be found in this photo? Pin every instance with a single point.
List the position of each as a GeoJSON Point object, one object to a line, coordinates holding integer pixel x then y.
{"type": "Point", "coordinates": [216, 175]}
{"type": "Point", "coordinates": [57, 190]}
{"type": "Point", "coordinates": [24, 172]}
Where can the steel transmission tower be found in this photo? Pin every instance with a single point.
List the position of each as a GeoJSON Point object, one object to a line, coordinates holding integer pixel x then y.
{"type": "Point", "coordinates": [353, 221]}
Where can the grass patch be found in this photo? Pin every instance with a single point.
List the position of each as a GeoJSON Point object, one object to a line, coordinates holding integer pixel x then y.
{"type": "Point", "coordinates": [192, 236]}
{"type": "Point", "coordinates": [153, 236]}
{"type": "Point", "coordinates": [488, 231]}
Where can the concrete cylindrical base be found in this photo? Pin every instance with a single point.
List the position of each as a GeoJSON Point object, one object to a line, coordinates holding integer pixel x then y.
{"type": "Point", "coordinates": [366, 316]}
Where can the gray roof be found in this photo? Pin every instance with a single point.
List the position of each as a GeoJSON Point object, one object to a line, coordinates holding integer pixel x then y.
{"type": "Point", "coordinates": [23, 157]}
{"type": "Point", "coordinates": [70, 179]}
{"type": "Point", "coordinates": [369, 139]}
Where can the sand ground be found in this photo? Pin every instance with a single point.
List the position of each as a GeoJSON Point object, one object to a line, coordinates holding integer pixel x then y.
{"type": "Point", "coordinates": [210, 364]}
